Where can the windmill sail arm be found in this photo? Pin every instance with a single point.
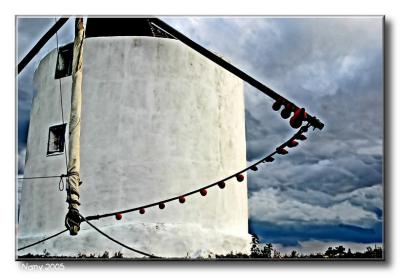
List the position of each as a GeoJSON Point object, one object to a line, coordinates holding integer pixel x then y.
{"type": "Point", "coordinates": [314, 121]}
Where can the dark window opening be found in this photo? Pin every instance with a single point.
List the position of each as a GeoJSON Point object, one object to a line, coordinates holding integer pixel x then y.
{"type": "Point", "coordinates": [64, 61]}
{"type": "Point", "coordinates": [56, 140]}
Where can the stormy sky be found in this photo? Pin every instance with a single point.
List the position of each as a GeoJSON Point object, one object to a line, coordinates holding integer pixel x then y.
{"type": "Point", "coordinates": [327, 190]}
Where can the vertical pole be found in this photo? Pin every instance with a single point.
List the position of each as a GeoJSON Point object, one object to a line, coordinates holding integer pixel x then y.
{"type": "Point", "coordinates": [73, 169]}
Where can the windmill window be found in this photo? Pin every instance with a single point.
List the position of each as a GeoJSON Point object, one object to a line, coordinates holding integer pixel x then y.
{"type": "Point", "coordinates": [56, 140]}
{"type": "Point", "coordinates": [64, 61]}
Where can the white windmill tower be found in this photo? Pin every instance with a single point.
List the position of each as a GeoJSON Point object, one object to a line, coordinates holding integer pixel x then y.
{"type": "Point", "coordinates": [158, 119]}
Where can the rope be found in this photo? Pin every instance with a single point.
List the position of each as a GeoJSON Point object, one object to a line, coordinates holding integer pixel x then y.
{"type": "Point", "coordinates": [60, 183]}
{"type": "Point", "coordinates": [41, 177]}
{"type": "Point", "coordinates": [61, 104]}
{"type": "Point", "coordinates": [58, 55]}
{"type": "Point", "coordinates": [264, 159]}
{"type": "Point", "coordinates": [45, 239]}
{"type": "Point", "coordinates": [98, 230]}
{"type": "Point", "coordinates": [118, 242]}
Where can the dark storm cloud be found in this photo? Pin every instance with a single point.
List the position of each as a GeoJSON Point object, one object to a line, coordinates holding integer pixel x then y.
{"type": "Point", "coordinates": [332, 67]}
{"type": "Point", "coordinates": [292, 235]}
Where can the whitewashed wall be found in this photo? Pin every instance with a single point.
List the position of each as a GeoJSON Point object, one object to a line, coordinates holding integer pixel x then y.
{"type": "Point", "coordinates": [158, 120]}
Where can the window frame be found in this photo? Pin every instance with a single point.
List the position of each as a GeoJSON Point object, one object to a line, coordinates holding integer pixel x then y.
{"type": "Point", "coordinates": [65, 53]}
{"type": "Point", "coordinates": [59, 129]}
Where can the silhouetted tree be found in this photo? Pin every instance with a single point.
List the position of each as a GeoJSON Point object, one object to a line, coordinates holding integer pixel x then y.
{"type": "Point", "coordinates": [255, 250]}
{"type": "Point", "coordinates": [267, 251]}
{"type": "Point", "coordinates": [329, 252]}
{"type": "Point", "coordinates": [340, 249]}
{"type": "Point", "coordinates": [349, 254]}
{"type": "Point", "coordinates": [277, 254]}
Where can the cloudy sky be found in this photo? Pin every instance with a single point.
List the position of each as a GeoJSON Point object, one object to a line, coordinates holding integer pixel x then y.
{"type": "Point", "coordinates": [327, 191]}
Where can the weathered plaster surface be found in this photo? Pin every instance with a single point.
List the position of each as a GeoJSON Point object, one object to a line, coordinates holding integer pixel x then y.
{"type": "Point", "coordinates": [158, 120]}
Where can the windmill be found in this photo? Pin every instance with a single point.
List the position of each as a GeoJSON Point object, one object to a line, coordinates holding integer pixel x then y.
{"type": "Point", "coordinates": [161, 124]}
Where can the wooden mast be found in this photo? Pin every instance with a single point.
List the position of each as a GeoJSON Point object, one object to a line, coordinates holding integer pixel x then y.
{"type": "Point", "coordinates": [73, 167]}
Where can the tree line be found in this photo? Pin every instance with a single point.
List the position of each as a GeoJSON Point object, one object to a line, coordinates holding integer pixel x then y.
{"type": "Point", "coordinates": [267, 251]}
